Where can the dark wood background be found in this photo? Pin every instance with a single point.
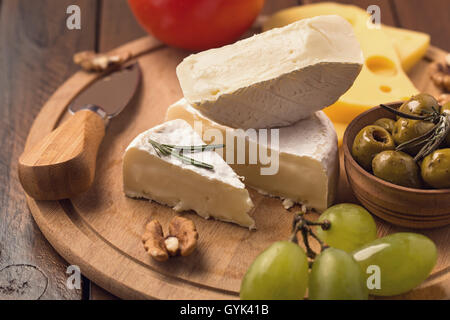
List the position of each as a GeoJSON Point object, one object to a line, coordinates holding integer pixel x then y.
{"type": "Point", "coordinates": [36, 52]}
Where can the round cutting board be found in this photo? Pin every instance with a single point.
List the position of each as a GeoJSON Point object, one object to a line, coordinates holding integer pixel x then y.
{"type": "Point", "coordinates": [100, 230]}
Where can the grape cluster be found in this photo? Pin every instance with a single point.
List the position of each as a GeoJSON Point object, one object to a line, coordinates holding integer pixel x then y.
{"type": "Point", "coordinates": [347, 234]}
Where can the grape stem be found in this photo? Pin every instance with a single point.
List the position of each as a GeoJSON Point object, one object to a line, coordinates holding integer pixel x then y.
{"type": "Point", "coordinates": [303, 225]}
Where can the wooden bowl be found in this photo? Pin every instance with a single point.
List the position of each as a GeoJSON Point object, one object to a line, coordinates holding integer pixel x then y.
{"type": "Point", "coordinates": [407, 207]}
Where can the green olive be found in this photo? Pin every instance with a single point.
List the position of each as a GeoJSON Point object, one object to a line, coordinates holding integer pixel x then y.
{"type": "Point", "coordinates": [446, 109]}
{"type": "Point", "coordinates": [420, 104]}
{"type": "Point", "coordinates": [408, 129]}
{"type": "Point", "coordinates": [436, 169]}
{"type": "Point", "coordinates": [370, 141]}
{"type": "Point", "coordinates": [386, 123]}
{"type": "Point", "coordinates": [397, 167]}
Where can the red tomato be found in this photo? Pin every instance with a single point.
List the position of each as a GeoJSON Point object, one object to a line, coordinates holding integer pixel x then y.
{"type": "Point", "coordinates": [196, 24]}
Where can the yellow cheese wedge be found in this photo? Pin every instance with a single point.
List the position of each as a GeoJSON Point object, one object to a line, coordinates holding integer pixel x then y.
{"type": "Point", "coordinates": [410, 45]}
{"type": "Point", "coordinates": [382, 78]}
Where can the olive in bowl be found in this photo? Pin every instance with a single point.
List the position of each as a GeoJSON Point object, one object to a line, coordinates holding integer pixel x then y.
{"type": "Point", "coordinates": [408, 129]}
{"type": "Point", "coordinates": [386, 123]}
{"type": "Point", "coordinates": [397, 167]}
{"type": "Point", "coordinates": [420, 104]}
{"type": "Point", "coordinates": [370, 141]}
{"type": "Point", "coordinates": [435, 169]}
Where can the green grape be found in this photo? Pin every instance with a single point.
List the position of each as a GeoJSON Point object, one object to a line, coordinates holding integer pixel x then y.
{"type": "Point", "coordinates": [404, 261]}
{"type": "Point", "coordinates": [278, 273]}
{"type": "Point", "coordinates": [335, 275]}
{"type": "Point", "coordinates": [351, 227]}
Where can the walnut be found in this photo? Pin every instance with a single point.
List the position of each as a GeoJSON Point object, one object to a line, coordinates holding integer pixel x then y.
{"type": "Point", "coordinates": [98, 62]}
{"type": "Point", "coordinates": [440, 74]}
{"type": "Point", "coordinates": [153, 240]}
{"type": "Point", "coordinates": [182, 239]}
{"type": "Point", "coordinates": [184, 230]}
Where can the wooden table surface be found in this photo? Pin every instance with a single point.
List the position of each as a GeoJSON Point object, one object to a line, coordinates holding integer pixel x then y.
{"type": "Point", "coordinates": [36, 52]}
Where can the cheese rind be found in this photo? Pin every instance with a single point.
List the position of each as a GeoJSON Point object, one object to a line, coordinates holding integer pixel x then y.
{"type": "Point", "coordinates": [275, 78]}
{"type": "Point", "coordinates": [216, 193]}
{"type": "Point", "coordinates": [308, 157]}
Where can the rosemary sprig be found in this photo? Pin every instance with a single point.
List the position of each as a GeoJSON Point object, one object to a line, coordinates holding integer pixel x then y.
{"type": "Point", "coordinates": [195, 149]}
{"type": "Point", "coordinates": [431, 139]}
{"type": "Point", "coordinates": [178, 152]}
{"type": "Point", "coordinates": [420, 140]}
{"type": "Point", "coordinates": [442, 128]}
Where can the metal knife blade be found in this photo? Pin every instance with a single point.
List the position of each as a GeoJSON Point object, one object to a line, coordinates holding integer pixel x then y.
{"type": "Point", "coordinates": [111, 93]}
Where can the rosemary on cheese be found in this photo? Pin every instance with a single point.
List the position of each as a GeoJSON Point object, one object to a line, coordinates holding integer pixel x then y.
{"type": "Point", "coordinates": [178, 152]}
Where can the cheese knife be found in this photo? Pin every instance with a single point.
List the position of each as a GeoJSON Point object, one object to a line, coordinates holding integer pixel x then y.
{"type": "Point", "coordinates": [62, 164]}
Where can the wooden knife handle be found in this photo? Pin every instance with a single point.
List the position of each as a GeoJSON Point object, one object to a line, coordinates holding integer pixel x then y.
{"type": "Point", "coordinates": [62, 165]}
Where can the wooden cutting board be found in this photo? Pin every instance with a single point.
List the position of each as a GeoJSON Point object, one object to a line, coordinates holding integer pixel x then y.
{"type": "Point", "coordinates": [100, 231]}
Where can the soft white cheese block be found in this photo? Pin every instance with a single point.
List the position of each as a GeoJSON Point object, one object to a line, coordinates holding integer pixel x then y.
{"type": "Point", "coordinates": [216, 193]}
{"type": "Point", "coordinates": [308, 159]}
{"type": "Point", "coordinates": [274, 78]}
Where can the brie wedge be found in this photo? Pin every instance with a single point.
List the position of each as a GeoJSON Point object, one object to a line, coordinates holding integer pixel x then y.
{"type": "Point", "coordinates": [274, 78]}
{"type": "Point", "coordinates": [216, 193]}
{"type": "Point", "coordinates": [308, 160]}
